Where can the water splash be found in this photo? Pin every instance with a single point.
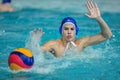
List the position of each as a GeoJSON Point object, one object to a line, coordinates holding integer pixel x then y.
{"type": "Point", "coordinates": [46, 63]}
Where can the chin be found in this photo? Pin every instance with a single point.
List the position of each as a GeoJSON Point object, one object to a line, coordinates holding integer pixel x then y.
{"type": "Point", "coordinates": [69, 39]}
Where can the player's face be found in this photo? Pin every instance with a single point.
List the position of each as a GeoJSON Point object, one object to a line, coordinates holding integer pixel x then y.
{"type": "Point", "coordinates": [69, 32]}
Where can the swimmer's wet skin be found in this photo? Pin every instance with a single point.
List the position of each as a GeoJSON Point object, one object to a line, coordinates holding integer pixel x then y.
{"type": "Point", "coordinates": [69, 29]}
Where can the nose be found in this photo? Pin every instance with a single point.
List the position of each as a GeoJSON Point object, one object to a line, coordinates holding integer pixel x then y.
{"type": "Point", "coordinates": [69, 31]}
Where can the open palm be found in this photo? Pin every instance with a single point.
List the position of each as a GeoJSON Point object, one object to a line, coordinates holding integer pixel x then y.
{"type": "Point", "coordinates": [93, 9]}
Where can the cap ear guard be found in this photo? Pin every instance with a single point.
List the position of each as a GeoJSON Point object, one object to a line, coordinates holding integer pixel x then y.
{"type": "Point", "coordinates": [68, 19]}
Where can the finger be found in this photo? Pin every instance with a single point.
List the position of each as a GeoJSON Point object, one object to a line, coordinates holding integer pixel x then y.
{"type": "Point", "coordinates": [91, 3]}
{"type": "Point", "coordinates": [97, 9]}
{"type": "Point", "coordinates": [39, 29]}
{"type": "Point", "coordinates": [31, 33]}
{"type": "Point", "coordinates": [88, 7]}
{"type": "Point", "coordinates": [96, 6]}
{"type": "Point", "coordinates": [87, 15]}
{"type": "Point", "coordinates": [35, 31]}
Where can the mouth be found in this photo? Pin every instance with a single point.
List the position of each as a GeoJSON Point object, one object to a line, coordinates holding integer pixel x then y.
{"type": "Point", "coordinates": [69, 37]}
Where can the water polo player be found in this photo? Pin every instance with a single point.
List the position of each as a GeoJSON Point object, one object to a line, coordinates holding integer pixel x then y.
{"type": "Point", "coordinates": [5, 6]}
{"type": "Point", "coordinates": [69, 30]}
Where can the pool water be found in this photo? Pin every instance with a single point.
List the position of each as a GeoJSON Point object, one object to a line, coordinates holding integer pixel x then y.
{"type": "Point", "coordinates": [98, 62]}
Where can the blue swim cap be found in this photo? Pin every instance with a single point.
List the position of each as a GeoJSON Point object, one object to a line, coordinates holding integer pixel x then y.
{"type": "Point", "coordinates": [68, 19]}
{"type": "Point", "coordinates": [6, 1]}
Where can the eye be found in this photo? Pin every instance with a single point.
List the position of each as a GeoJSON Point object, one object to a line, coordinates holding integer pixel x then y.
{"type": "Point", "coordinates": [72, 28]}
{"type": "Point", "coordinates": [65, 28]}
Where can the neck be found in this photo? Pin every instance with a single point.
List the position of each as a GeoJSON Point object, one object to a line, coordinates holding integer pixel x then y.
{"type": "Point", "coordinates": [65, 42]}
{"type": "Point", "coordinates": [69, 45]}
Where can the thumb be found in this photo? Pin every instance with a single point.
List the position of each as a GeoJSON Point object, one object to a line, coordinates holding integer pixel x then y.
{"type": "Point", "coordinates": [87, 15]}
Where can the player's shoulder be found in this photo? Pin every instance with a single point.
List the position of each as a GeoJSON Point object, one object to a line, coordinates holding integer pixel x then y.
{"type": "Point", "coordinates": [83, 39]}
{"type": "Point", "coordinates": [54, 42]}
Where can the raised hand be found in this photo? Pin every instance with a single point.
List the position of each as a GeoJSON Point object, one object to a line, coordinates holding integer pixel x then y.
{"type": "Point", "coordinates": [36, 34]}
{"type": "Point", "coordinates": [93, 9]}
